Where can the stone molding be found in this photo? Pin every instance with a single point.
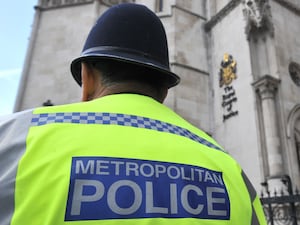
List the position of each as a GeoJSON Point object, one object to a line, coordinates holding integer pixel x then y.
{"type": "Point", "coordinates": [266, 86]}
{"type": "Point", "coordinates": [289, 5]}
{"type": "Point", "coordinates": [189, 68]}
{"type": "Point", "coordinates": [189, 12]}
{"type": "Point", "coordinates": [221, 14]}
{"type": "Point", "coordinates": [54, 4]}
{"type": "Point", "coordinates": [115, 2]}
{"type": "Point", "coordinates": [258, 17]}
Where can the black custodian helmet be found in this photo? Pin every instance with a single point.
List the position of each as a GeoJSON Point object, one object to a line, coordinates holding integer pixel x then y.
{"type": "Point", "coordinates": [130, 33]}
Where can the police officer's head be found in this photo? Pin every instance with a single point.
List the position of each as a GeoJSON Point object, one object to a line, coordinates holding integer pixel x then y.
{"type": "Point", "coordinates": [128, 43]}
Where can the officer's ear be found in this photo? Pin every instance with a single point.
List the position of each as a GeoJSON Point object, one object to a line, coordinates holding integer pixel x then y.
{"type": "Point", "coordinates": [164, 93]}
{"type": "Point", "coordinates": [89, 82]}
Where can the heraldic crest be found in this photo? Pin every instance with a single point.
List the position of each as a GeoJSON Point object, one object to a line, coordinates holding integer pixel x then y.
{"type": "Point", "coordinates": [228, 70]}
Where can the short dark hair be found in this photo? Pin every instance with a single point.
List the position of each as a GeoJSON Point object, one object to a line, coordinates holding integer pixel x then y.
{"type": "Point", "coordinates": [114, 71]}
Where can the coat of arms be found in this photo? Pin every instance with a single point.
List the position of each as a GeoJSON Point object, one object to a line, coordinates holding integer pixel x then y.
{"type": "Point", "coordinates": [228, 70]}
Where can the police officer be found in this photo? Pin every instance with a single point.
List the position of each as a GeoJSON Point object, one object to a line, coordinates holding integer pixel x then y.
{"type": "Point", "coordinates": [120, 156]}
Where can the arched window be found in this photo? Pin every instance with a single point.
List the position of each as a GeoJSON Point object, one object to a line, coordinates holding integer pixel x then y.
{"type": "Point", "coordinates": [297, 140]}
{"type": "Point", "coordinates": [159, 4]}
{"type": "Point", "coordinates": [293, 141]}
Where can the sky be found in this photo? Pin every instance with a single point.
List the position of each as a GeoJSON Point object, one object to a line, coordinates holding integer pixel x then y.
{"type": "Point", "coordinates": [16, 18]}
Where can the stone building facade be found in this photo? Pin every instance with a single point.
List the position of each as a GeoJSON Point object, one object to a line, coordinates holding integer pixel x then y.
{"type": "Point", "coordinates": [239, 63]}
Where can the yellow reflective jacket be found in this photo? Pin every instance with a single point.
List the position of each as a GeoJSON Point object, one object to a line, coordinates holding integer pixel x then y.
{"type": "Point", "coordinates": [119, 159]}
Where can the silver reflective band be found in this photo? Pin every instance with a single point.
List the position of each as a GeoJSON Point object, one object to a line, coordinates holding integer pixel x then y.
{"type": "Point", "coordinates": [118, 119]}
{"type": "Point", "coordinates": [112, 193]}
{"type": "Point", "coordinates": [78, 198]}
{"type": "Point", "coordinates": [13, 132]}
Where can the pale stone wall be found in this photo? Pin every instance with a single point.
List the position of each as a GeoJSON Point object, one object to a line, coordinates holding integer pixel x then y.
{"type": "Point", "coordinates": [220, 4]}
{"type": "Point", "coordinates": [59, 38]}
{"type": "Point", "coordinates": [238, 134]}
{"type": "Point", "coordinates": [196, 7]}
{"type": "Point", "coordinates": [287, 41]}
{"type": "Point", "coordinates": [191, 97]}
{"type": "Point", "coordinates": [182, 20]}
{"type": "Point", "coordinates": [188, 59]}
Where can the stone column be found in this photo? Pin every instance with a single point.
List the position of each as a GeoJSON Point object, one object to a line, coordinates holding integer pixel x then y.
{"type": "Point", "coordinates": [260, 34]}
{"type": "Point", "coordinates": [266, 87]}
{"type": "Point", "coordinates": [28, 58]}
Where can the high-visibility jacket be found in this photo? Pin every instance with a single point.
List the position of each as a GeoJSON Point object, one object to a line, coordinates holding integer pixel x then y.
{"type": "Point", "coordinates": [121, 159]}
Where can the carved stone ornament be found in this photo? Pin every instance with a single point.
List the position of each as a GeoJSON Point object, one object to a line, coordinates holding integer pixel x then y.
{"type": "Point", "coordinates": [115, 2]}
{"type": "Point", "coordinates": [258, 16]}
{"type": "Point", "coordinates": [266, 86]}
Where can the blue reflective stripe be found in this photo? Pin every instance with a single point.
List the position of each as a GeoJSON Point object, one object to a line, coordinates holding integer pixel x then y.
{"type": "Point", "coordinates": [117, 119]}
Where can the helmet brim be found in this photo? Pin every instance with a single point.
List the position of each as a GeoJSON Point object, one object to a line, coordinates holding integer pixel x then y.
{"type": "Point", "coordinates": [170, 79]}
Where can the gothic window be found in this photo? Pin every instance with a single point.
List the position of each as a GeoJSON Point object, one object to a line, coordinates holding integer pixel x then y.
{"type": "Point", "coordinates": [293, 141]}
{"type": "Point", "coordinates": [294, 70]}
{"type": "Point", "coordinates": [297, 139]}
{"type": "Point", "coordinates": [159, 4]}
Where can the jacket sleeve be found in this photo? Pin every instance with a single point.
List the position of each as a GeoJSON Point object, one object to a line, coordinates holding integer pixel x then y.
{"type": "Point", "coordinates": [258, 217]}
{"type": "Point", "coordinates": [13, 133]}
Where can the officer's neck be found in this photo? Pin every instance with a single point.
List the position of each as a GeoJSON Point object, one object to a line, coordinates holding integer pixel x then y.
{"type": "Point", "coordinates": [130, 87]}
